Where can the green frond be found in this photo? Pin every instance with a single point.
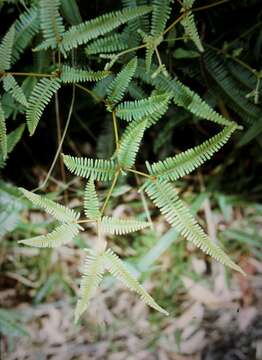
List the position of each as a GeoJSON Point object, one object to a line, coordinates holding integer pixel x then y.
{"type": "Point", "coordinates": [119, 85]}
{"type": "Point", "coordinates": [91, 203]}
{"type": "Point", "coordinates": [12, 87]}
{"type": "Point", "coordinates": [82, 33]}
{"type": "Point", "coordinates": [116, 226]}
{"type": "Point", "coordinates": [177, 214]}
{"type": "Point", "coordinates": [6, 47]}
{"type": "Point", "coordinates": [134, 110]}
{"type": "Point", "coordinates": [51, 22]}
{"type": "Point", "coordinates": [58, 211]}
{"type": "Point", "coordinates": [117, 268]}
{"type": "Point", "coordinates": [130, 143]}
{"type": "Point", "coordinates": [99, 169]}
{"type": "Point", "coordinates": [13, 137]}
{"type": "Point", "coordinates": [26, 27]}
{"type": "Point", "coordinates": [191, 30]}
{"type": "Point", "coordinates": [160, 15]}
{"type": "Point", "coordinates": [38, 100]}
{"type": "Point", "coordinates": [184, 163]}
{"type": "Point", "coordinates": [3, 137]}
{"type": "Point", "coordinates": [107, 44]}
{"type": "Point", "coordinates": [136, 91]}
{"type": "Point", "coordinates": [61, 235]}
{"type": "Point", "coordinates": [92, 276]}
{"type": "Point", "coordinates": [148, 58]}
{"type": "Point", "coordinates": [71, 75]}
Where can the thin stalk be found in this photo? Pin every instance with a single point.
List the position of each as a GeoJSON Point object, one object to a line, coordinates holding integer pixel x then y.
{"type": "Point", "coordinates": [170, 27]}
{"type": "Point", "coordinates": [115, 130]}
{"type": "Point", "coordinates": [141, 173]}
{"type": "Point", "coordinates": [90, 92]}
{"type": "Point", "coordinates": [85, 221]}
{"type": "Point", "coordinates": [110, 192]}
{"type": "Point", "coordinates": [144, 202]}
{"type": "Point", "coordinates": [3, 73]}
{"type": "Point", "coordinates": [205, 7]}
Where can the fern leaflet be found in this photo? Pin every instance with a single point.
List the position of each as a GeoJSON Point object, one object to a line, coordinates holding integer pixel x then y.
{"type": "Point", "coordinates": [6, 47]}
{"type": "Point", "coordinates": [71, 75]}
{"type": "Point", "coordinates": [108, 44]}
{"type": "Point", "coordinates": [3, 137]}
{"type": "Point", "coordinates": [11, 86]}
{"type": "Point", "coordinates": [91, 203]}
{"type": "Point", "coordinates": [160, 15]}
{"type": "Point", "coordinates": [115, 226]}
{"type": "Point", "coordinates": [191, 31]}
{"type": "Point", "coordinates": [165, 198]}
{"type": "Point", "coordinates": [38, 100]}
{"type": "Point", "coordinates": [99, 169]}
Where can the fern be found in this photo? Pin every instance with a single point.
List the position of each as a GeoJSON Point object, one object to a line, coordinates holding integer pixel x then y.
{"type": "Point", "coordinates": [26, 27]}
{"type": "Point", "coordinates": [160, 15]}
{"type": "Point", "coordinates": [121, 226]}
{"type": "Point", "coordinates": [191, 31]}
{"type": "Point", "coordinates": [165, 198]}
{"type": "Point", "coordinates": [92, 277]}
{"type": "Point", "coordinates": [6, 47]}
{"type": "Point", "coordinates": [101, 170]}
{"type": "Point", "coordinates": [11, 86]}
{"type": "Point", "coordinates": [3, 138]}
{"type": "Point", "coordinates": [108, 44]}
{"type": "Point", "coordinates": [91, 203]}
{"type": "Point", "coordinates": [38, 100]}
{"type": "Point", "coordinates": [117, 88]}
{"type": "Point", "coordinates": [150, 107]}
{"type": "Point", "coordinates": [183, 164]}
{"type": "Point", "coordinates": [116, 267]}
{"type": "Point", "coordinates": [82, 33]}
{"type": "Point", "coordinates": [58, 211]}
{"type": "Point", "coordinates": [12, 139]}
{"type": "Point", "coordinates": [130, 143]}
{"type": "Point", "coordinates": [61, 235]}
{"type": "Point", "coordinates": [71, 75]}
{"type": "Point", "coordinates": [51, 22]}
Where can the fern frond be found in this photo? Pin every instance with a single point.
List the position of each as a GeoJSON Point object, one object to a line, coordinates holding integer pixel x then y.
{"type": "Point", "coordinates": [117, 268]}
{"type": "Point", "coordinates": [149, 107]}
{"type": "Point", "coordinates": [3, 137]}
{"type": "Point", "coordinates": [92, 276]}
{"type": "Point", "coordinates": [119, 85]}
{"type": "Point", "coordinates": [108, 44]}
{"type": "Point", "coordinates": [61, 235]}
{"type": "Point", "coordinates": [160, 15]}
{"type": "Point", "coordinates": [130, 143]}
{"type": "Point", "coordinates": [191, 30]}
{"type": "Point", "coordinates": [176, 213]}
{"type": "Point", "coordinates": [91, 203]}
{"type": "Point", "coordinates": [58, 211]}
{"type": "Point", "coordinates": [13, 137]}
{"type": "Point", "coordinates": [115, 226]}
{"type": "Point", "coordinates": [183, 164]}
{"type": "Point", "coordinates": [71, 75]}
{"type": "Point", "coordinates": [51, 22]}
{"type": "Point", "coordinates": [99, 169]}
{"type": "Point", "coordinates": [6, 47]}
{"type": "Point", "coordinates": [26, 27]}
{"type": "Point", "coordinates": [12, 87]}
{"type": "Point", "coordinates": [38, 100]}
{"type": "Point", "coordinates": [82, 33]}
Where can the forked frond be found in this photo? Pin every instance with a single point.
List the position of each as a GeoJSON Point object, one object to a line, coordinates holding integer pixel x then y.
{"type": "Point", "coordinates": [99, 169]}
{"type": "Point", "coordinates": [92, 276]}
{"type": "Point", "coordinates": [191, 30]}
{"type": "Point", "coordinates": [107, 44]}
{"type": "Point", "coordinates": [82, 33]}
{"type": "Point", "coordinates": [117, 268]}
{"type": "Point", "coordinates": [184, 163]}
{"type": "Point", "coordinates": [130, 143]}
{"type": "Point", "coordinates": [51, 22]}
{"type": "Point", "coordinates": [150, 107]}
{"type": "Point", "coordinates": [119, 85]}
{"type": "Point", "coordinates": [58, 211]}
{"type": "Point", "coordinates": [38, 100]}
{"type": "Point", "coordinates": [91, 203]}
{"type": "Point", "coordinates": [6, 47]}
{"type": "Point", "coordinates": [3, 137]}
{"type": "Point", "coordinates": [61, 235]}
{"type": "Point", "coordinates": [160, 15]}
{"type": "Point", "coordinates": [177, 214]}
{"type": "Point", "coordinates": [26, 27]}
{"type": "Point", "coordinates": [116, 226]}
{"type": "Point", "coordinates": [11, 86]}
{"type": "Point", "coordinates": [71, 75]}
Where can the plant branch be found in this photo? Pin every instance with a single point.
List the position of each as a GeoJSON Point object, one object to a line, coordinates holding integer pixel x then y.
{"type": "Point", "coordinates": [110, 192]}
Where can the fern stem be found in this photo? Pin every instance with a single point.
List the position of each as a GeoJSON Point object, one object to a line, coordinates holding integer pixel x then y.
{"type": "Point", "coordinates": [3, 73]}
{"type": "Point", "coordinates": [115, 130]}
{"type": "Point", "coordinates": [110, 192]}
{"type": "Point", "coordinates": [144, 202]}
{"type": "Point", "coordinates": [141, 173]}
{"type": "Point", "coordinates": [210, 5]}
{"type": "Point", "coordinates": [130, 50]}
{"type": "Point", "coordinates": [90, 92]}
{"type": "Point", "coordinates": [85, 221]}
{"type": "Point", "coordinates": [170, 27]}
